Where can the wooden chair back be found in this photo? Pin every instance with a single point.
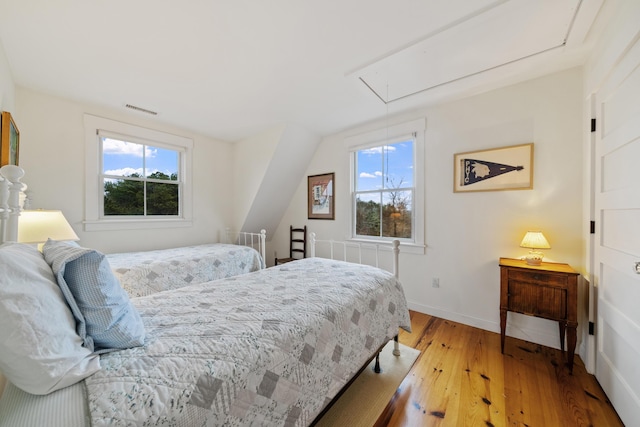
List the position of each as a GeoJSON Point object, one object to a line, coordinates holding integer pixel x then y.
{"type": "Point", "coordinates": [297, 245]}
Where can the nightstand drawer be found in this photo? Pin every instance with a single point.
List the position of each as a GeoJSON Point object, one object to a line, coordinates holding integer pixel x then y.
{"type": "Point", "coordinates": [537, 300]}
{"type": "Point", "coordinates": [540, 277]}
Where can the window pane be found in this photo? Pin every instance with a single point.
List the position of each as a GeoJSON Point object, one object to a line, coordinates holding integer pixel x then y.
{"type": "Point", "coordinates": [387, 168]}
{"type": "Point", "coordinates": [369, 169]}
{"type": "Point", "coordinates": [162, 163]}
{"type": "Point", "coordinates": [162, 199]}
{"type": "Point", "coordinates": [122, 158]}
{"type": "Point", "coordinates": [398, 165]}
{"type": "Point", "coordinates": [134, 160]}
{"type": "Point", "coordinates": [123, 197]}
{"type": "Point", "coordinates": [396, 214]}
{"type": "Point", "coordinates": [368, 214]}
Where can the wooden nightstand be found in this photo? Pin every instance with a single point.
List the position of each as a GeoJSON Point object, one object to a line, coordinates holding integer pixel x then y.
{"type": "Point", "coordinates": [549, 291]}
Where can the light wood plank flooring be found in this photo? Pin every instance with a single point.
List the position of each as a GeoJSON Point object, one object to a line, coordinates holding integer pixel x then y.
{"type": "Point", "coordinates": [462, 379]}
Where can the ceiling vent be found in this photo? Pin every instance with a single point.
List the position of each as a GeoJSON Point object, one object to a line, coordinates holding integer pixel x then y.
{"type": "Point", "coordinates": [143, 110]}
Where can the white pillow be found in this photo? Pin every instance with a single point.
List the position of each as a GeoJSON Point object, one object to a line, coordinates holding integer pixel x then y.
{"type": "Point", "coordinates": [40, 351]}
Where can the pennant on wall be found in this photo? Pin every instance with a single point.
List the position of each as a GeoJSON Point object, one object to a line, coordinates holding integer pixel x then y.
{"type": "Point", "coordinates": [501, 168]}
{"type": "Point", "coordinates": [478, 170]}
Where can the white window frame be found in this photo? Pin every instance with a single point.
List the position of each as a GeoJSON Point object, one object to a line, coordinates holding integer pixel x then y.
{"type": "Point", "coordinates": [391, 134]}
{"type": "Point", "coordinates": [94, 190]}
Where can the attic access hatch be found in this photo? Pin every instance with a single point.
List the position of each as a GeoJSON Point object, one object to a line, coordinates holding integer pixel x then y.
{"type": "Point", "coordinates": [504, 32]}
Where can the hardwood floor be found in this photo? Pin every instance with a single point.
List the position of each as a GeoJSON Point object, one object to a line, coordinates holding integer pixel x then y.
{"type": "Point", "coordinates": [462, 379]}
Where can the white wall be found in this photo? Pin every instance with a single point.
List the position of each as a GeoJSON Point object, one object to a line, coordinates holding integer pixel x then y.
{"type": "Point", "coordinates": [285, 169]}
{"type": "Point", "coordinates": [250, 162]}
{"type": "Point", "coordinates": [52, 154]}
{"type": "Point", "coordinates": [466, 233]}
{"type": "Point", "coordinates": [7, 91]}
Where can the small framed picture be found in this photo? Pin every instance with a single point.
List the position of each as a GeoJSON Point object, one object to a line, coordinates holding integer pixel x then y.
{"type": "Point", "coordinates": [320, 196]}
{"type": "Point", "coordinates": [9, 140]}
{"type": "Point", "coordinates": [504, 168]}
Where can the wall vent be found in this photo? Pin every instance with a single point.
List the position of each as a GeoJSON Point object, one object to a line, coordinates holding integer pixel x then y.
{"type": "Point", "coordinates": [143, 110]}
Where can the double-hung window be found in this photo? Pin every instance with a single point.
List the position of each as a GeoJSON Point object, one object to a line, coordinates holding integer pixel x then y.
{"type": "Point", "coordinates": [136, 177]}
{"type": "Point", "coordinates": [139, 178]}
{"type": "Point", "coordinates": [387, 184]}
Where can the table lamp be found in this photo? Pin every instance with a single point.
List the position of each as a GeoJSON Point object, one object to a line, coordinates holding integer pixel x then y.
{"type": "Point", "coordinates": [534, 240]}
{"type": "Point", "coordinates": [39, 225]}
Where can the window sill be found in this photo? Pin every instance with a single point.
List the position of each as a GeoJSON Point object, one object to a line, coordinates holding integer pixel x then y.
{"type": "Point", "coordinates": [135, 224]}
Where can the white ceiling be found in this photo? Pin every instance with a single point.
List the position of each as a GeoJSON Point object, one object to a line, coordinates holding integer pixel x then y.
{"type": "Point", "coordinates": [232, 68]}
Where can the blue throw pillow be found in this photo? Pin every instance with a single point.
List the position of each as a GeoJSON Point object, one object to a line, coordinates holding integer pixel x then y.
{"type": "Point", "coordinates": [106, 319]}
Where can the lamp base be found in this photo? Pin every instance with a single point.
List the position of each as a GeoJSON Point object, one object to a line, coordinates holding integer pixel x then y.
{"type": "Point", "coordinates": [534, 258]}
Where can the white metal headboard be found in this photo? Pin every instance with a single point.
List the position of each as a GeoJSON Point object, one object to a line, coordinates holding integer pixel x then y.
{"type": "Point", "coordinates": [257, 241]}
{"type": "Point", "coordinates": [377, 247]}
{"type": "Point", "coordinates": [10, 204]}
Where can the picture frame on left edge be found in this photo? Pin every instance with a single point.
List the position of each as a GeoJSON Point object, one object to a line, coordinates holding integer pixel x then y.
{"type": "Point", "coordinates": [9, 140]}
{"type": "Point", "coordinates": [320, 191]}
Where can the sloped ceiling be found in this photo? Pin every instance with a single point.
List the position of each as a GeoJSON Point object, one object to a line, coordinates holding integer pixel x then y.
{"type": "Point", "coordinates": [231, 69]}
{"type": "Point", "coordinates": [467, 47]}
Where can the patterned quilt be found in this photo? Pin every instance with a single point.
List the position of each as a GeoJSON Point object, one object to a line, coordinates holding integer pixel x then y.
{"type": "Point", "coordinates": [271, 348]}
{"type": "Point", "coordinates": [148, 272]}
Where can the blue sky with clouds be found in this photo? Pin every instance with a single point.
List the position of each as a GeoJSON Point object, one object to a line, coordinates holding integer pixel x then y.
{"type": "Point", "coordinates": [124, 158]}
{"type": "Point", "coordinates": [393, 161]}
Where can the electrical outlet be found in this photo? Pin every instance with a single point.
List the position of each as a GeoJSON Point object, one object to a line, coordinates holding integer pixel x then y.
{"type": "Point", "coordinates": [435, 282]}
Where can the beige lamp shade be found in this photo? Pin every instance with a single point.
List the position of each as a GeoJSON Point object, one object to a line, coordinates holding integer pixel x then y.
{"type": "Point", "coordinates": [534, 240]}
{"type": "Point", "coordinates": [39, 225]}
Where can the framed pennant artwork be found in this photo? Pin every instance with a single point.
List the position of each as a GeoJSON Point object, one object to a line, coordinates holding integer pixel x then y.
{"type": "Point", "coordinates": [504, 168]}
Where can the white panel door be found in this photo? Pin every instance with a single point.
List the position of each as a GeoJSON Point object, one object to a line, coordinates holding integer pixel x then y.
{"type": "Point", "coordinates": [617, 242]}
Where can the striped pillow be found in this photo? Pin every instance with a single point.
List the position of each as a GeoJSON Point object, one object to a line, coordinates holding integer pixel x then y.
{"type": "Point", "coordinates": [105, 318]}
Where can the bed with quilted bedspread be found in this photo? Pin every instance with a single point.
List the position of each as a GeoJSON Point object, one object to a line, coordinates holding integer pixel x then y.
{"type": "Point", "coordinates": [268, 348]}
{"type": "Point", "coordinates": [147, 272]}
{"type": "Point", "coordinates": [273, 347]}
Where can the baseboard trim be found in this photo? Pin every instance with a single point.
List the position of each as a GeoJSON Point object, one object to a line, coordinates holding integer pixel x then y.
{"type": "Point", "coordinates": [527, 334]}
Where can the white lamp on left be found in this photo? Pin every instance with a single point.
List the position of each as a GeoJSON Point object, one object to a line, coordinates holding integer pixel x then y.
{"type": "Point", "coordinates": [39, 225]}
